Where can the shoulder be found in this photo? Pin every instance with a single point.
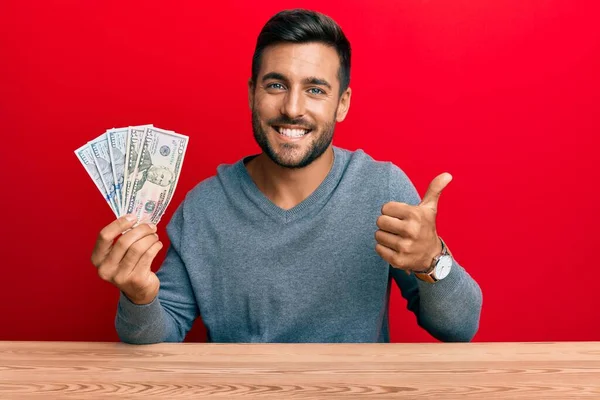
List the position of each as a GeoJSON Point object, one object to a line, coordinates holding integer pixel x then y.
{"type": "Point", "coordinates": [212, 189]}
{"type": "Point", "coordinates": [359, 160]}
{"type": "Point", "coordinates": [364, 167]}
{"type": "Point", "coordinates": [207, 198]}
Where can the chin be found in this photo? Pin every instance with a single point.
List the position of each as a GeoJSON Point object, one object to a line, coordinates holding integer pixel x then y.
{"type": "Point", "coordinates": [287, 160]}
{"type": "Point", "coordinates": [293, 154]}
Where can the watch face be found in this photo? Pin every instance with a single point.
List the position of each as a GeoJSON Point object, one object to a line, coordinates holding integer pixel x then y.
{"type": "Point", "coordinates": [442, 269]}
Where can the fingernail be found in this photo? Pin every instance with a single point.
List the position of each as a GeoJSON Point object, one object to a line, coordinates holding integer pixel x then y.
{"type": "Point", "coordinates": [152, 226]}
{"type": "Point", "coordinates": [130, 217]}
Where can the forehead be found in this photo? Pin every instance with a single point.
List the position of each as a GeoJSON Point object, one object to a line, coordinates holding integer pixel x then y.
{"type": "Point", "coordinates": [298, 61]}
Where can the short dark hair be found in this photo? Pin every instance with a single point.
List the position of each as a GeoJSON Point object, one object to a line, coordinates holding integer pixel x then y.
{"type": "Point", "coordinates": [304, 26]}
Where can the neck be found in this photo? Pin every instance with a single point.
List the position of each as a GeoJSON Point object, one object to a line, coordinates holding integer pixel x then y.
{"type": "Point", "coordinates": [288, 187]}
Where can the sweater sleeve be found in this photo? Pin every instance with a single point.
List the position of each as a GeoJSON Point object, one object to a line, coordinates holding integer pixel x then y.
{"type": "Point", "coordinates": [171, 314]}
{"type": "Point", "coordinates": [448, 309]}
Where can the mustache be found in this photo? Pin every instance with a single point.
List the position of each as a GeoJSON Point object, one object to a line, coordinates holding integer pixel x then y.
{"type": "Point", "coordinates": [283, 120]}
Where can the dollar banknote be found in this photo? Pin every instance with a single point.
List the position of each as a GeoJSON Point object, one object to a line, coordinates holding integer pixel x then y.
{"type": "Point", "coordinates": [135, 137]}
{"type": "Point", "coordinates": [117, 148]}
{"type": "Point", "coordinates": [85, 156]}
{"type": "Point", "coordinates": [157, 172]}
{"type": "Point", "coordinates": [135, 168]}
{"type": "Point", "coordinates": [101, 155]}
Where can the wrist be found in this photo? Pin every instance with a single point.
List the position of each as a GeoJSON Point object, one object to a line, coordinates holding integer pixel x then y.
{"type": "Point", "coordinates": [440, 268]}
{"type": "Point", "coordinates": [140, 299]}
{"type": "Point", "coordinates": [432, 259]}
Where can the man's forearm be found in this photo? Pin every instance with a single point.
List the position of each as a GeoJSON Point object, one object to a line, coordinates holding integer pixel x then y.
{"type": "Point", "coordinates": [450, 309]}
{"type": "Point", "coordinates": [143, 324]}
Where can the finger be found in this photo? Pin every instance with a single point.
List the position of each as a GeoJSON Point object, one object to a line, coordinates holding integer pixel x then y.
{"type": "Point", "coordinates": [110, 269]}
{"type": "Point", "coordinates": [145, 262]}
{"type": "Point", "coordinates": [434, 191]}
{"type": "Point", "coordinates": [388, 239]}
{"type": "Point", "coordinates": [136, 251]}
{"type": "Point", "coordinates": [385, 252]}
{"type": "Point", "coordinates": [127, 240]}
{"type": "Point", "coordinates": [390, 256]}
{"type": "Point", "coordinates": [394, 225]}
{"type": "Point", "coordinates": [133, 257]}
{"type": "Point", "coordinates": [107, 236]}
{"type": "Point", "coordinates": [397, 210]}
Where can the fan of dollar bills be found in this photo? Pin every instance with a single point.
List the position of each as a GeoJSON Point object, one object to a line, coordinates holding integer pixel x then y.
{"type": "Point", "coordinates": [135, 168]}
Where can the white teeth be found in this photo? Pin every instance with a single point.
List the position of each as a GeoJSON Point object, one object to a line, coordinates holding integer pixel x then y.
{"type": "Point", "coordinates": [294, 133]}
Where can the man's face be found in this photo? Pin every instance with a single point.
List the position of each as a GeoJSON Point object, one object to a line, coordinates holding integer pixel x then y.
{"type": "Point", "coordinates": [295, 102]}
{"type": "Point", "coordinates": [160, 176]}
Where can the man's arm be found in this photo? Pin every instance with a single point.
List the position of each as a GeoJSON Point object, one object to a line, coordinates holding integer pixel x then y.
{"type": "Point", "coordinates": [171, 314]}
{"type": "Point", "coordinates": [448, 309]}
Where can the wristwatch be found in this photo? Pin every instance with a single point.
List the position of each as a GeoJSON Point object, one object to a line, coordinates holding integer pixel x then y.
{"type": "Point", "coordinates": [440, 267]}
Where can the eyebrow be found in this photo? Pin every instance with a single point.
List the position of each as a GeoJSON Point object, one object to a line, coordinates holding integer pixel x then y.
{"type": "Point", "coordinates": [311, 80]}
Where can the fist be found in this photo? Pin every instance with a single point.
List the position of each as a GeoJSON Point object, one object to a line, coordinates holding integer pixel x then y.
{"type": "Point", "coordinates": [124, 259]}
{"type": "Point", "coordinates": [407, 237]}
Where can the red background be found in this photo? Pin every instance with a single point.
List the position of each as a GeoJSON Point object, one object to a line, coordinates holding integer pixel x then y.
{"type": "Point", "coordinates": [502, 94]}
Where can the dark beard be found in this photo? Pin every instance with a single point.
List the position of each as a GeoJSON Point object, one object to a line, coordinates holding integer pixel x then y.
{"type": "Point", "coordinates": [315, 151]}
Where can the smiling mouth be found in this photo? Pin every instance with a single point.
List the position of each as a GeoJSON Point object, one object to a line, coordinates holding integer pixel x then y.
{"type": "Point", "coordinates": [294, 132]}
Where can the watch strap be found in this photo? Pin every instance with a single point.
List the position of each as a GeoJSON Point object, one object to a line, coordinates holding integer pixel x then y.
{"type": "Point", "coordinates": [429, 276]}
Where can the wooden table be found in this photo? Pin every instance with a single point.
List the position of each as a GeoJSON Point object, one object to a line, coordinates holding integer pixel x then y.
{"type": "Point", "coordinates": [81, 370]}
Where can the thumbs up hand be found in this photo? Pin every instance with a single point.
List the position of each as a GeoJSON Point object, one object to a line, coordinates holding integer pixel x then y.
{"type": "Point", "coordinates": [407, 238]}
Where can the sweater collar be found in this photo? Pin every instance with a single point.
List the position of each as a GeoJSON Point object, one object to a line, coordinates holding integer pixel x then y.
{"type": "Point", "coordinates": [313, 202]}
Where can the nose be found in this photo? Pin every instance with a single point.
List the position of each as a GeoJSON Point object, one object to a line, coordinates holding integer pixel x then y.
{"type": "Point", "coordinates": [293, 104]}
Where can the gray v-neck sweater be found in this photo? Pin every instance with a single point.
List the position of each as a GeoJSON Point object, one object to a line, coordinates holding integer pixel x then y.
{"type": "Point", "coordinates": [257, 273]}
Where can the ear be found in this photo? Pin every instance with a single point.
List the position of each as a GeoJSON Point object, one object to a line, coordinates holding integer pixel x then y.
{"type": "Point", "coordinates": [250, 93]}
{"type": "Point", "coordinates": [343, 105]}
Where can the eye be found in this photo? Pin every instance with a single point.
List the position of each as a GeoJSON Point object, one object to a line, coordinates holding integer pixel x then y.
{"type": "Point", "coordinates": [316, 90]}
{"type": "Point", "coordinates": [275, 85]}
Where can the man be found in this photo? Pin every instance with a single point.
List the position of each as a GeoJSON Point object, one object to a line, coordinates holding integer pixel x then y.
{"type": "Point", "coordinates": [301, 242]}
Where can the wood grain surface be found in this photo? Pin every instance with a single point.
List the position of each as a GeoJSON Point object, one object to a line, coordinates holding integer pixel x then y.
{"type": "Point", "coordinates": [81, 370]}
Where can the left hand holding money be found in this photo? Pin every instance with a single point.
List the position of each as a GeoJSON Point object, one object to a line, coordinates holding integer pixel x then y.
{"type": "Point", "coordinates": [407, 238]}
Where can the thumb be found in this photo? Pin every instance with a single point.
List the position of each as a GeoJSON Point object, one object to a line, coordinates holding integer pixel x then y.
{"type": "Point", "coordinates": [435, 190]}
